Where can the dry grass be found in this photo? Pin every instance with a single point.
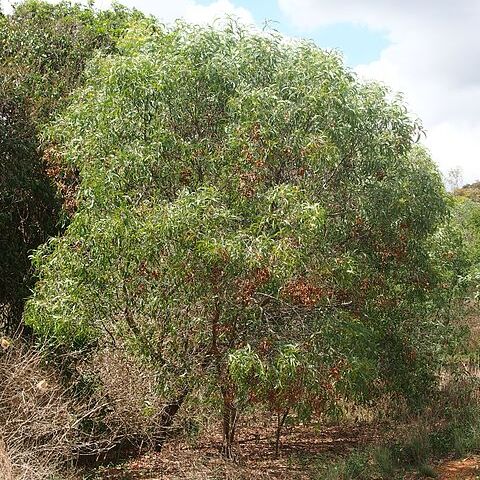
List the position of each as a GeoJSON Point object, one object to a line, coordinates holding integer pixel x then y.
{"type": "Point", "coordinates": [45, 426]}
{"type": "Point", "coordinates": [38, 418]}
{"type": "Point", "coordinates": [6, 470]}
{"type": "Point", "coordinates": [134, 404]}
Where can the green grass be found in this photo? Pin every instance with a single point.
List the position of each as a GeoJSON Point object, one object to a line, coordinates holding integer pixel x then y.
{"type": "Point", "coordinates": [385, 462]}
{"type": "Point", "coordinates": [427, 471]}
{"type": "Point", "coordinates": [355, 466]}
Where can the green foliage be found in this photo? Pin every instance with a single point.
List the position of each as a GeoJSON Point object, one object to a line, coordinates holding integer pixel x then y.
{"type": "Point", "coordinates": [417, 448]}
{"type": "Point", "coordinates": [356, 465]}
{"type": "Point", "coordinates": [466, 216]}
{"type": "Point", "coordinates": [43, 51]}
{"type": "Point", "coordinates": [385, 463]}
{"type": "Point", "coordinates": [461, 433]}
{"type": "Point", "coordinates": [427, 471]}
{"type": "Point", "coordinates": [50, 44]}
{"type": "Point", "coordinates": [252, 219]}
{"type": "Point", "coordinates": [451, 428]}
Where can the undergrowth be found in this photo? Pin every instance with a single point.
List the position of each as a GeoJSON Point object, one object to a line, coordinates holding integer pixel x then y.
{"type": "Point", "coordinates": [452, 428]}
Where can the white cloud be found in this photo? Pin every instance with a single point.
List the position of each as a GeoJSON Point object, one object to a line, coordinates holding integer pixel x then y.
{"type": "Point", "coordinates": [170, 10]}
{"type": "Point", "coordinates": [454, 145]}
{"type": "Point", "coordinates": [5, 6]}
{"type": "Point", "coordinates": [433, 57]}
{"type": "Point", "coordinates": [203, 14]}
{"type": "Point", "coordinates": [188, 10]}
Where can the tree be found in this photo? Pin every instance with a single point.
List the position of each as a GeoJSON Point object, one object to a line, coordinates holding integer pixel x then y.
{"type": "Point", "coordinates": [252, 220]}
{"type": "Point", "coordinates": [44, 49]}
{"type": "Point", "coordinates": [454, 178]}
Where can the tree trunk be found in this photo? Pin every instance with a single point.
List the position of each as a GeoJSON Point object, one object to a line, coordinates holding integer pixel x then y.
{"type": "Point", "coordinates": [167, 417]}
{"type": "Point", "coordinates": [230, 415]}
{"type": "Point", "coordinates": [281, 418]}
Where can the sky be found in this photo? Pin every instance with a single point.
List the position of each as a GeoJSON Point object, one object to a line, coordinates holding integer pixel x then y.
{"type": "Point", "coordinates": [427, 49]}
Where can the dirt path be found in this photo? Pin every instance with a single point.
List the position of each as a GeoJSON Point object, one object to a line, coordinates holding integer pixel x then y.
{"type": "Point", "coordinates": [466, 469]}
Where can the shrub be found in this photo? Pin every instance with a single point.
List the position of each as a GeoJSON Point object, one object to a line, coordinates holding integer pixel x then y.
{"type": "Point", "coordinates": [109, 408]}
{"type": "Point", "coordinates": [43, 52]}
{"type": "Point", "coordinates": [251, 220]}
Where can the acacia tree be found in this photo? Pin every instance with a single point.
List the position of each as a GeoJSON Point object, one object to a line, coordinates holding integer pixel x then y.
{"type": "Point", "coordinates": [43, 51]}
{"type": "Point", "coordinates": [251, 219]}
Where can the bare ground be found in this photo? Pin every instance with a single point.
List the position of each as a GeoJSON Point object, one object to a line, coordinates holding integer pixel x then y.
{"type": "Point", "coordinates": [465, 469]}
{"type": "Point", "coordinates": [302, 448]}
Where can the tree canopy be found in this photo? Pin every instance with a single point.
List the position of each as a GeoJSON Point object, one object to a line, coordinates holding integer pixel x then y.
{"type": "Point", "coordinates": [43, 51]}
{"type": "Point", "coordinates": [251, 219]}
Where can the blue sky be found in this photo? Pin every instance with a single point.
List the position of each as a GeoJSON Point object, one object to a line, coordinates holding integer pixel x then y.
{"type": "Point", "coordinates": [429, 50]}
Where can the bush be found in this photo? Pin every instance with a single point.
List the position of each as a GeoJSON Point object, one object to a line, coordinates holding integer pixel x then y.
{"type": "Point", "coordinates": [134, 406]}
{"type": "Point", "coordinates": [256, 222]}
{"type": "Point", "coordinates": [356, 465]}
{"type": "Point", "coordinates": [43, 52]}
